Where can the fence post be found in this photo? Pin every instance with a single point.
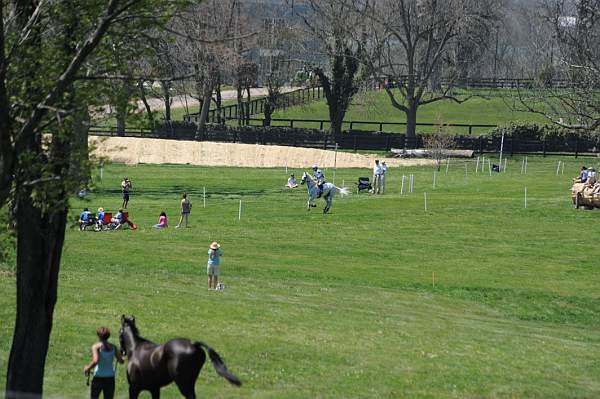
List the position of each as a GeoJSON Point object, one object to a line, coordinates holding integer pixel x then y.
{"type": "Point", "coordinates": [321, 125]}
{"type": "Point", "coordinates": [351, 125]}
{"type": "Point", "coordinates": [381, 127]}
{"type": "Point", "coordinates": [470, 129]}
{"type": "Point", "coordinates": [576, 146]}
{"type": "Point", "coordinates": [291, 123]}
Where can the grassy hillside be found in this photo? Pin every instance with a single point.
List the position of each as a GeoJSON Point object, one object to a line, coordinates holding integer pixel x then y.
{"type": "Point", "coordinates": [488, 107]}
{"type": "Point", "coordinates": [342, 305]}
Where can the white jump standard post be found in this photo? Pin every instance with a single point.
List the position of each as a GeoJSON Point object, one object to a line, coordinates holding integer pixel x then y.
{"type": "Point", "coordinates": [402, 186]}
{"type": "Point", "coordinates": [240, 211]}
{"type": "Point", "coordinates": [204, 196]}
{"type": "Point", "coordinates": [425, 198]}
{"type": "Point", "coordinates": [525, 197]}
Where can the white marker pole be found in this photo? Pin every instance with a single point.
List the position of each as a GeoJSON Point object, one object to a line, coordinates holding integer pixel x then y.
{"type": "Point", "coordinates": [335, 162]}
{"type": "Point", "coordinates": [490, 167]}
{"type": "Point", "coordinates": [482, 163]}
{"type": "Point", "coordinates": [101, 171]}
{"type": "Point", "coordinates": [557, 168]}
{"type": "Point", "coordinates": [402, 187]}
{"type": "Point", "coordinates": [412, 182]}
{"type": "Point", "coordinates": [525, 165]}
{"type": "Point", "coordinates": [505, 161]}
{"type": "Point", "coordinates": [525, 197]}
{"type": "Point", "coordinates": [562, 169]}
{"type": "Point", "coordinates": [204, 196]}
{"type": "Point", "coordinates": [434, 177]}
{"type": "Point", "coordinates": [425, 197]}
{"type": "Point", "coordinates": [447, 164]}
{"type": "Point", "coordinates": [501, 150]}
{"type": "Point", "coordinates": [240, 211]}
{"type": "Point", "coordinates": [477, 165]}
{"type": "Point", "coordinates": [522, 165]}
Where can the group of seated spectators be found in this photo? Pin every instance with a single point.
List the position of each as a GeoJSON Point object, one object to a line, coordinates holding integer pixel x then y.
{"type": "Point", "coordinates": [101, 222]}
{"type": "Point", "coordinates": [586, 182]}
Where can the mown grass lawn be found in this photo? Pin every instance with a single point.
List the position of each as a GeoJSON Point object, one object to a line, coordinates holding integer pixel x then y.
{"type": "Point", "coordinates": [343, 305]}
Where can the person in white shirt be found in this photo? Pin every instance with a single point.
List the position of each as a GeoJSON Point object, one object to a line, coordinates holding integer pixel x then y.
{"type": "Point", "coordinates": [382, 178]}
{"type": "Point", "coordinates": [377, 173]}
{"type": "Point", "coordinates": [291, 183]}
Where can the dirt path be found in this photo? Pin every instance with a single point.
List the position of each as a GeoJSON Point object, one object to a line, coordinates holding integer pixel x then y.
{"type": "Point", "coordinates": [180, 101]}
{"type": "Point", "coordinates": [156, 151]}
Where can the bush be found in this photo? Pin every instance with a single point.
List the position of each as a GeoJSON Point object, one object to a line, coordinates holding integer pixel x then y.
{"type": "Point", "coordinates": [531, 131]}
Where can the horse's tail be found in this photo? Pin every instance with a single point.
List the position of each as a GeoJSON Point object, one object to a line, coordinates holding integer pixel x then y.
{"type": "Point", "coordinates": [218, 363]}
{"type": "Point", "coordinates": [343, 191]}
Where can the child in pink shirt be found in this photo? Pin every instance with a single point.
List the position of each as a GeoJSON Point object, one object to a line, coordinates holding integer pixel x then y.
{"type": "Point", "coordinates": [162, 221]}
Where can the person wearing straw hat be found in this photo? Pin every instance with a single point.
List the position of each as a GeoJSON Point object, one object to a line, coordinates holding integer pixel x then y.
{"type": "Point", "coordinates": [214, 261]}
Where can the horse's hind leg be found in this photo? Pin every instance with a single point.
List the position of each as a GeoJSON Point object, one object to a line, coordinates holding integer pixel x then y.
{"type": "Point", "coordinates": [186, 387]}
{"type": "Point", "coordinates": [155, 393]}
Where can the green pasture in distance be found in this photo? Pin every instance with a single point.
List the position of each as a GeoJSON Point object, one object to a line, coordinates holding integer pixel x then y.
{"type": "Point", "coordinates": [490, 107]}
{"type": "Point", "coordinates": [487, 107]}
{"type": "Point", "coordinates": [477, 296]}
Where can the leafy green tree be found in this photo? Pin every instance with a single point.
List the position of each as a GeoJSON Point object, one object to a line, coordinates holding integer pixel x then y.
{"type": "Point", "coordinates": [46, 48]}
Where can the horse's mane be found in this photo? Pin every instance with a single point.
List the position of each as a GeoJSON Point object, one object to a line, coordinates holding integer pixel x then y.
{"type": "Point", "coordinates": [136, 332]}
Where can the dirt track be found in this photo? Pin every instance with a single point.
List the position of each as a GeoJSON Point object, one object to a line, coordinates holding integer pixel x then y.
{"type": "Point", "coordinates": [155, 151]}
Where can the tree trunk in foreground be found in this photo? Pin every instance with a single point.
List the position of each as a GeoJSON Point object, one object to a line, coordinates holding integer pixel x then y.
{"type": "Point", "coordinates": [39, 245]}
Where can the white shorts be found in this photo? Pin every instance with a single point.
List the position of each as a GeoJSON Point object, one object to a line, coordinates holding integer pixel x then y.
{"type": "Point", "coordinates": [212, 270]}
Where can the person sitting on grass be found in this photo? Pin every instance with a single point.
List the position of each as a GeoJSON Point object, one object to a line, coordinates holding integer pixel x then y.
{"type": "Point", "coordinates": [291, 183]}
{"type": "Point", "coordinates": [85, 219]}
{"type": "Point", "coordinates": [162, 221]}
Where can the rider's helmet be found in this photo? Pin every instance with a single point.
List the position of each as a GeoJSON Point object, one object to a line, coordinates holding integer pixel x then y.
{"type": "Point", "coordinates": [315, 167]}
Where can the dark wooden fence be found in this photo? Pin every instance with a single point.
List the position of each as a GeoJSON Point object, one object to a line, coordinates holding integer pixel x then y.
{"type": "Point", "coordinates": [573, 145]}
{"type": "Point", "coordinates": [257, 106]}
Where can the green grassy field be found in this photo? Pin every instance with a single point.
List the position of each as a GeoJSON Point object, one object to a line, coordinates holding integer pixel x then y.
{"type": "Point", "coordinates": [489, 107]}
{"type": "Point", "coordinates": [343, 305]}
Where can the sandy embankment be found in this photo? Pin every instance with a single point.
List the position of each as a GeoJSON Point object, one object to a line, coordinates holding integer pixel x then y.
{"type": "Point", "coordinates": [156, 151]}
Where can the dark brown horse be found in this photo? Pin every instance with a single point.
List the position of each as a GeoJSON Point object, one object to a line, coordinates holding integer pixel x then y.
{"type": "Point", "coordinates": [151, 366]}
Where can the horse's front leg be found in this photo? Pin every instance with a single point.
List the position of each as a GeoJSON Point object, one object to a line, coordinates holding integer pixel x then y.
{"type": "Point", "coordinates": [133, 392]}
{"type": "Point", "coordinates": [155, 393]}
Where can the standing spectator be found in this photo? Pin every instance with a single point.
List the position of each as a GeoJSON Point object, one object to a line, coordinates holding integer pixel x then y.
{"type": "Point", "coordinates": [384, 169]}
{"type": "Point", "coordinates": [186, 207]}
{"type": "Point", "coordinates": [377, 173]}
{"type": "Point", "coordinates": [125, 187]}
{"type": "Point", "coordinates": [103, 355]}
{"type": "Point", "coordinates": [212, 268]}
{"type": "Point", "coordinates": [162, 221]}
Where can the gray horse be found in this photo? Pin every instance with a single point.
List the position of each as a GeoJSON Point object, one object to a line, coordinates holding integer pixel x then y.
{"type": "Point", "coordinates": [329, 191]}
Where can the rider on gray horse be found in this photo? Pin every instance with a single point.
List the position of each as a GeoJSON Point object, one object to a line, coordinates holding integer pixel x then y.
{"type": "Point", "coordinates": [319, 179]}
